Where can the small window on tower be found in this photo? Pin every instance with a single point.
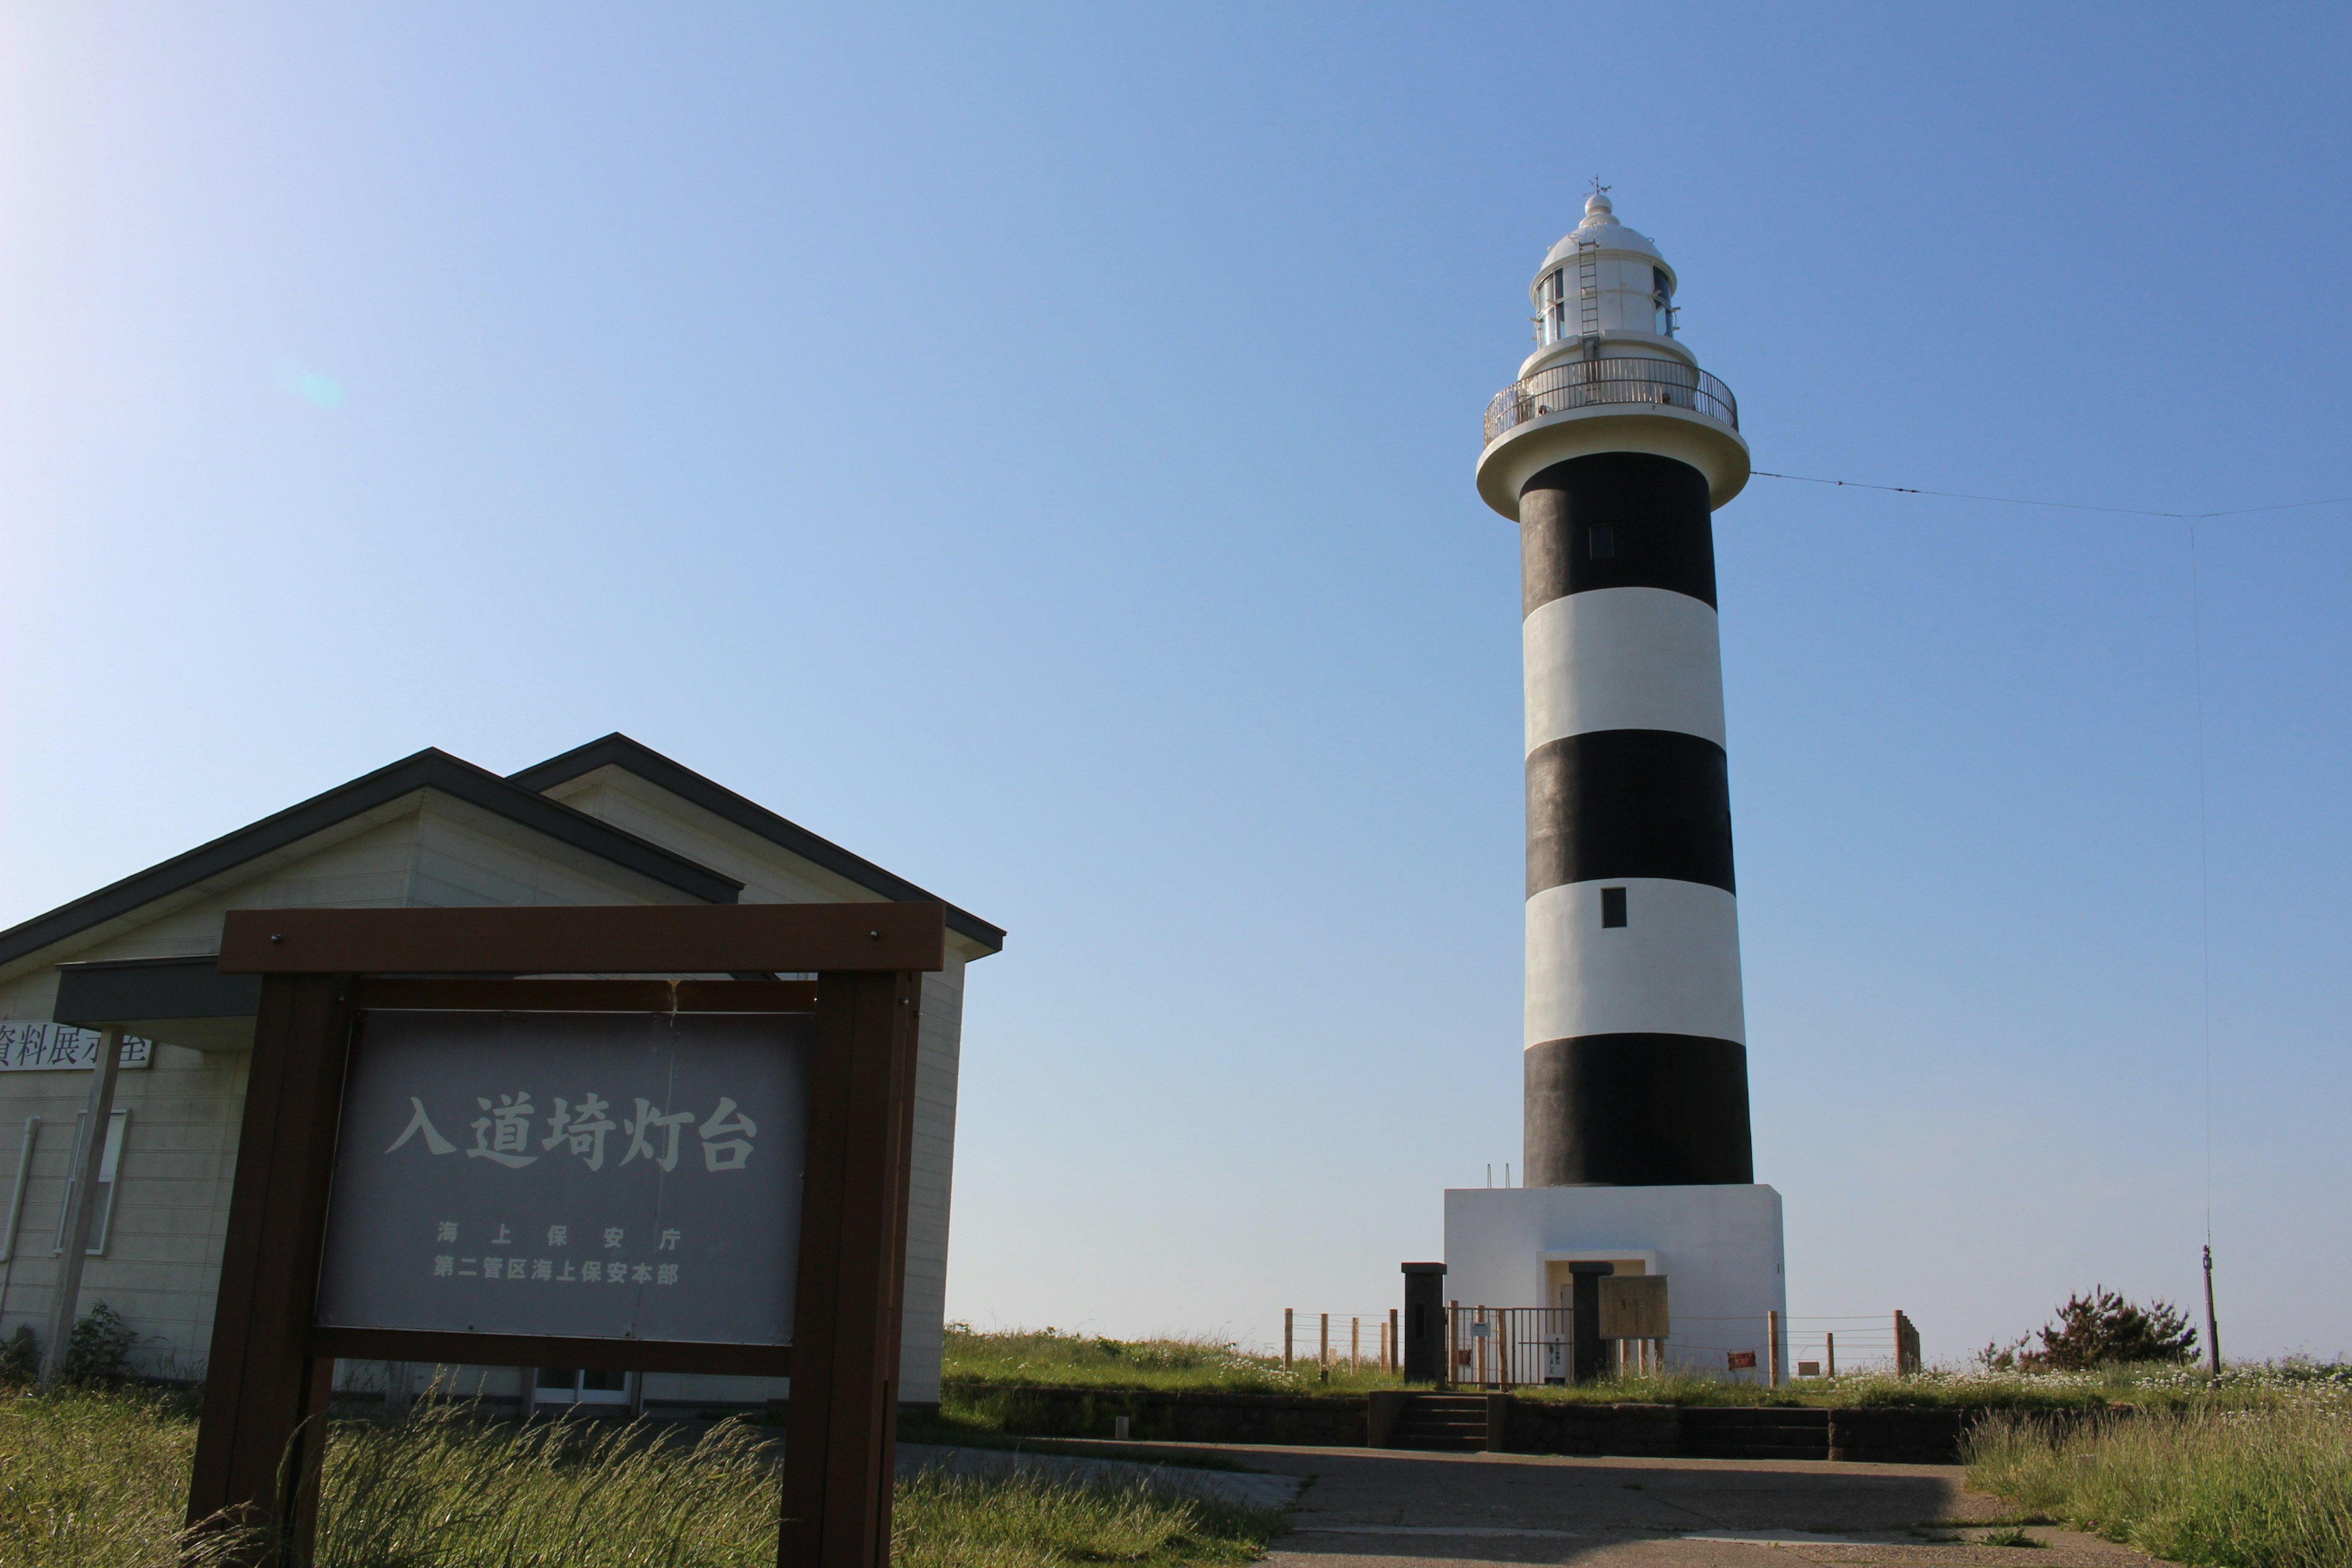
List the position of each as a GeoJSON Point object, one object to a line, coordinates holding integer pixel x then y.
{"type": "Point", "coordinates": [1601, 539]}
{"type": "Point", "coordinates": [1613, 906]}
{"type": "Point", "coordinates": [1662, 301]}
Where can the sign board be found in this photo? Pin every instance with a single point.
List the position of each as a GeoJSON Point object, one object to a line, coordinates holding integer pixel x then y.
{"type": "Point", "coordinates": [451, 1114]}
{"type": "Point", "coordinates": [36, 1047]}
{"type": "Point", "coordinates": [1739, 1361]}
{"type": "Point", "coordinates": [598, 1175]}
{"type": "Point", "coordinates": [1633, 1307]}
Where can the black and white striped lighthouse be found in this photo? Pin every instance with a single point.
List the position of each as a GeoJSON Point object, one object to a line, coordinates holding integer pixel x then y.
{"type": "Point", "coordinates": [1611, 450]}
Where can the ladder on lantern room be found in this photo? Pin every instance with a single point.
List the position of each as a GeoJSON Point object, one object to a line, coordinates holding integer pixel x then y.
{"type": "Point", "coordinates": [1587, 292]}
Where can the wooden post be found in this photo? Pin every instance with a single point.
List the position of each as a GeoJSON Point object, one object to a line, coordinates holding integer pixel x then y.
{"type": "Point", "coordinates": [263, 1432]}
{"type": "Point", "coordinates": [1285, 1339]}
{"type": "Point", "coordinates": [1355, 1345]}
{"type": "Point", "coordinates": [845, 1400]}
{"type": "Point", "coordinates": [1906, 1345]}
{"type": "Point", "coordinates": [1323, 1348]}
{"type": "Point", "coordinates": [90, 1157]}
{"type": "Point", "coordinates": [1773, 1349]}
{"type": "Point", "coordinates": [1396, 1353]}
{"type": "Point", "coordinates": [1829, 1343]}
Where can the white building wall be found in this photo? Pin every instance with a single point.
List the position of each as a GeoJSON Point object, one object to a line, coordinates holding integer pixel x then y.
{"type": "Point", "coordinates": [161, 1267]}
{"type": "Point", "coordinates": [1718, 1246]}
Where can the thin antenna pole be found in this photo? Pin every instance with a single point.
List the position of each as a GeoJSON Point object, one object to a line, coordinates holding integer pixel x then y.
{"type": "Point", "coordinates": [2204, 888]}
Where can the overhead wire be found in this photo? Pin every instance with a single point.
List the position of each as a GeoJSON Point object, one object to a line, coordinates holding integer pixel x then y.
{"type": "Point", "coordinates": [2188, 520]}
{"type": "Point", "coordinates": [2060, 505]}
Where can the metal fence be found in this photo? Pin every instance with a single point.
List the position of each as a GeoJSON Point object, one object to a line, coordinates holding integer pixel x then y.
{"type": "Point", "coordinates": [1505, 1347]}
{"type": "Point", "coordinates": [1586, 382]}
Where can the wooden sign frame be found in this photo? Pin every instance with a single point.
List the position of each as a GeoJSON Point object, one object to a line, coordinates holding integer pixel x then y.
{"type": "Point", "coordinates": [261, 1441]}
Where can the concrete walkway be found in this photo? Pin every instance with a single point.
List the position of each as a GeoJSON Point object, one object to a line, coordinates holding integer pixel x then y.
{"type": "Point", "coordinates": [1382, 1509]}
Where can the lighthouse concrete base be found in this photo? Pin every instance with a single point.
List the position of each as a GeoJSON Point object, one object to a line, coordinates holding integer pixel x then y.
{"type": "Point", "coordinates": [1719, 1245]}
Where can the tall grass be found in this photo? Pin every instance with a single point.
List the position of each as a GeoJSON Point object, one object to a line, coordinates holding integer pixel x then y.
{"type": "Point", "coordinates": [1047, 1358]}
{"type": "Point", "coordinates": [97, 1480]}
{"type": "Point", "coordinates": [94, 1480]}
{"type": "Point", "coordinates": [2236, 1488]}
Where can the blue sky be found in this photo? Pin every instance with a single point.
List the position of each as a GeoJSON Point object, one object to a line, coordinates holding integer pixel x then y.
{"type": "Point", "coordinates": [1032, 446]}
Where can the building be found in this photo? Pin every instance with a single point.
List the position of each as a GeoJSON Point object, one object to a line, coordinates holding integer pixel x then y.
{"type": "Point", "coordinates": [1611, 452]}
{"type": "Point", "coordinates": [610, 822]}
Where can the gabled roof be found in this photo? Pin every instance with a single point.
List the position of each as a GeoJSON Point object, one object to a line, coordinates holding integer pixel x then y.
{"type": "Point", "coordinates": [618, 751]}
{"type": "Point", "coordinates": [429, 769]}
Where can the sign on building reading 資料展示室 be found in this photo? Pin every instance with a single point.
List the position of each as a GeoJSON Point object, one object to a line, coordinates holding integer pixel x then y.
{"type": "Point", "coordinates": [602, 1175]}
{"type": "Point", "coordinates": [33, 1045]}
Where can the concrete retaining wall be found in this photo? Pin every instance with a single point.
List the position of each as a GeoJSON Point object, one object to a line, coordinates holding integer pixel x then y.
{"type": "Point", "coordinates": [1310, 1421]}
{"type": "Point", "coordinates": [1920, 1436]}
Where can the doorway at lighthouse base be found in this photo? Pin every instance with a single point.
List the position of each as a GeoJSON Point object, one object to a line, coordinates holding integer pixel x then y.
{"type": "Point", "coordinates": [1719, 1247]}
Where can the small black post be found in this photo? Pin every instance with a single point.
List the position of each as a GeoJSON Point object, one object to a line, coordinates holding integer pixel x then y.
{"type": "Point", "coordinates": [1424, 1322]}
{"type": "Point", "coordinates": [2212, 1326]}
{"type": "Point", "coordinates": [1592, 1350]}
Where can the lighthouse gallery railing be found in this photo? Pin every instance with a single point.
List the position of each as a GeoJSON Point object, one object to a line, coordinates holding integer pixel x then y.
{"type": "Point", "coordinates": [1586, 382]}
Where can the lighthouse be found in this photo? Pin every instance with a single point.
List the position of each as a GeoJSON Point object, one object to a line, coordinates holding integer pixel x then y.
{"type": "Point", "coordinates": [1612, 450]}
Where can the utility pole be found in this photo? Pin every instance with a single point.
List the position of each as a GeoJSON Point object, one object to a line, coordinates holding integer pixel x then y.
{"type": "Point", "coordinates": [2212, 1327]}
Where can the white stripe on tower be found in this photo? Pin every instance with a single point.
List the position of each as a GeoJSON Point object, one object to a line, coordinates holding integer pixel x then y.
{"type": "Point", "coordinates": [1623, 658]}
{"type": "Point", "coordinates": [1672, 968]}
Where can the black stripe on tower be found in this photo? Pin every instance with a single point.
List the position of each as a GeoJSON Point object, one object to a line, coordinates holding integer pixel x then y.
{"type": "Point", "coordinates": [1638, 1111]}
{"type": "Point", "coordinates": [1628, 803]}
{"type": "Point", "coordinates": [1658, 531]}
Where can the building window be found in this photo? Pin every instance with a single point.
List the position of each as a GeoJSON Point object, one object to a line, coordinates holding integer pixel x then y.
{"type": "Point", "coordinates": [1662, 303]}
{"type": "Point", "coordinates": [1600, 541]}
{"type": "Point", "coordinates": [1613, 906]}
{"type": "Point", "coordinates": [101, 1219]}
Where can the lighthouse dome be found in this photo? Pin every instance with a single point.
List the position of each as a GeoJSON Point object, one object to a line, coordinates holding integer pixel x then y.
{"type": "Point", "coordinates": [1601, 228]}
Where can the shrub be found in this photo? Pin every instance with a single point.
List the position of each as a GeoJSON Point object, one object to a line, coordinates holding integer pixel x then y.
{"type": "Point", "coordinates": [20, 1358]}
{"type": "Point", "coordinates": [2100, 1329]}
{"type": "Point", "coordinates": [99, 1352]}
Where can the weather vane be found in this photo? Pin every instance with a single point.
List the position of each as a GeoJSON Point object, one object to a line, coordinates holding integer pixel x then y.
{"type": "Point", "coordinates": [1599, 189]}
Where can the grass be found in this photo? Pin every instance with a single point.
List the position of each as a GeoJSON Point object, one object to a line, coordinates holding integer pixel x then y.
{"type": "Point", "coordinates": [2258, 1487]}
{"type": "Point", "coordinates": [977, 1363]}
{"type": "Point", "coordinates": [97, 1480]}
{"type": "Point", "coordinates": [1047, 1358]}
{"type": "Point", "coordinates": [2176, 1388]}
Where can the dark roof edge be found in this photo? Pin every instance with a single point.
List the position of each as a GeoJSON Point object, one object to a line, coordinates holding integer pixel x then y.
{"type": "Point", "coordinates": [431, 768]}
{"type": "Point", "coordinates": [617, 750]}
